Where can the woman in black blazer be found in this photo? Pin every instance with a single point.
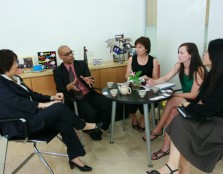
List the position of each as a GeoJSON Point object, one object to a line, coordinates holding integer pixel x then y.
{"type": "Point", "coordinates": [42, 112]}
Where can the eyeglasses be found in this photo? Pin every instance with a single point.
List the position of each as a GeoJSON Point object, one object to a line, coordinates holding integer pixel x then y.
{"type": "Point", "coordinates": [16, 62]}
{"type": "Point", "coordinates": [68, 53]}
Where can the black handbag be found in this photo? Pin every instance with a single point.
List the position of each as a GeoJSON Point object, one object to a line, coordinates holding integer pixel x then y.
{"type": "Point", "coordinates": [191, 115]}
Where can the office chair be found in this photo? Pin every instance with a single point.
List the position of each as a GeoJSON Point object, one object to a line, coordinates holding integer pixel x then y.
{"type": "Point", "coordinates": [44, 137]}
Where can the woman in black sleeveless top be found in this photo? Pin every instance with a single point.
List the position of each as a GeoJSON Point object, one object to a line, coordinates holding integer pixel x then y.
{"type": "Point", "coordinates": [142, 61]}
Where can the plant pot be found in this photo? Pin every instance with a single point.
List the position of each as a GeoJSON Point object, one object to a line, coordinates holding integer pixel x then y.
{"type": "Point", "coordinates": [136, 85]}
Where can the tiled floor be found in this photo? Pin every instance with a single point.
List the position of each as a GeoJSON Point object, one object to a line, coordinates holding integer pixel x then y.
{"type": "Point", "coordinates": [126, 156]}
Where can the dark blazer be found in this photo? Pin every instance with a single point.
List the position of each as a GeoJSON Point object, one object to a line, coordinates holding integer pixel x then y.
{"type": "Point", "coordinates": [61, 76]}
{"type": "Point", "coordinates": [15, 102]}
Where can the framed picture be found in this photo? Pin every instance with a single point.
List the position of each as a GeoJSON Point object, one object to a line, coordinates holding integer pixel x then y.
{"type": "Point", "coordinates": [119, 37]}
{"type": "Point", "coordinates": [97, 62]}
{"type": "Point", "coordinates": [28, 62]}
{"type": "Point", "coordinates": [48, 59]}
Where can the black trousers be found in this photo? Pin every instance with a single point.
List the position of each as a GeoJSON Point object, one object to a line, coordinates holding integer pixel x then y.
{"type": "Point", "coordinates": [60, 117]}
{"type": "Point", "coordinates": [95, 108]}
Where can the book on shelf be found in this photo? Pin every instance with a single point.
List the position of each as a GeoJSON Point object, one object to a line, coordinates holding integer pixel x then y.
{"type": "Point", "coordinates": [48, 59]}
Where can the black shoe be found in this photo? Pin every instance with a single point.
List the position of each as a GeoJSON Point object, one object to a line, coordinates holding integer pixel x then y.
{"type": "Point", "coordinates": [84, 168]}
{"type": "Point", "coordinates": [95, 136]}
{"type": "Point", "coordinates": [97, 127]}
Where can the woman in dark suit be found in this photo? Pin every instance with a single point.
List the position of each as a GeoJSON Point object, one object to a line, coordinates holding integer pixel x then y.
{"type": "Point", "coordinates": [42, 112]}
{"type": "Point", "coordinates": [199, 141]}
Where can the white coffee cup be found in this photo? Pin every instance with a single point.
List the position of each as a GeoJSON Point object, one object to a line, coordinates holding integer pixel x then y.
{"type": "Point", "coordinates": [142, 93]}
{"type": "Point", "coordinates": [114, 92]}
{"type": "Point", "coordinates": [110, 84]}
{"type": "Point", "coordinates": [155, 89]}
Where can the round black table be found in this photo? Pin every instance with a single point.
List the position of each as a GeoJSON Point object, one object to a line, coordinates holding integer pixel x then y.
{"type": "Point", "coordinates": [134, 98]}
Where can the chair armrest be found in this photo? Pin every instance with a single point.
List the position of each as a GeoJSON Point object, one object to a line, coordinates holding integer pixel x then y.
{"type": "Point", "coordinates": [26, 133]}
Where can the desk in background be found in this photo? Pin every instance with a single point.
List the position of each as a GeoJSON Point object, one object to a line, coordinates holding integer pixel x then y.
{"type": "Point", "coordinates": [43, 82]}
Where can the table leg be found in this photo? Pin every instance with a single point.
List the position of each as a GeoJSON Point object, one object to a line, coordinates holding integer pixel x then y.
{"type": "Point", "coordinates": [112, 121]}
{"type": "Point", "coordinates": [153, 114]}
{"type": "Point", "coordinates": [148, 142]}
{"type": "Point", "coordinates": [123, 119]}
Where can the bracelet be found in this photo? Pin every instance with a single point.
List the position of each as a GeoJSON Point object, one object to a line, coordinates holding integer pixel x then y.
{"type": "Point", "coordinates": [51, 98]}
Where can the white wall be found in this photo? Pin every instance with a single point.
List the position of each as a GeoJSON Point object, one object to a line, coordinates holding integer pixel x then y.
{"type": "Point", "coordinates": [178, 22]}
{"type": "Point", "coordinates": [215, 25]}
{"type": "Point", "coordinates": [29, 26]}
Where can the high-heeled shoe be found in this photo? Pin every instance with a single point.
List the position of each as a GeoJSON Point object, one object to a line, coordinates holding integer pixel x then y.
{"type": "Point", "coordinates": [84, 168]}
{"type": "Point", "coordinates": [97, 127]}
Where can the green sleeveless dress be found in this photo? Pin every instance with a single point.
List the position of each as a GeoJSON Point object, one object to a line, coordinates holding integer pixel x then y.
{"type": "Point", "coordinates": [187, 83]}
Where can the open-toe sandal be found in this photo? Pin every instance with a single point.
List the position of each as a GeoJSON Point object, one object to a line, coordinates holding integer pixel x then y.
{"type": "Point", "coordinates": [171, 171]}
{"type": "Point", "coordinates": [155, 135]}
{"type": "Point", "coordinates": [153, 172]}
{"type": "Point", "coordinates": [159, 154]}
{"type": "Point", "coordinates": [135, 127]}
{"type": "Point", "coordinates": [156, 172]}
{"type": "Point", "coordinates": [141, 129]}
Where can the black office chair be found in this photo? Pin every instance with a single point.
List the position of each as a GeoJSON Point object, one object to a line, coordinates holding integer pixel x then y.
{"type": "Point", "coordinates": [44, 137]}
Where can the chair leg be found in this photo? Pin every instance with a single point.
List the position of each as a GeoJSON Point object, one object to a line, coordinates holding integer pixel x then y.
{"type": "Point", "coordinates": [39, 153]}
{"type": "Point", "coordinates": [23, 163]}
{"type": "Point", "coordinates": [42, 159]}
{"type": "Point", "coordinates": [76, 112]}
{"type": "Point", "coordinates": [4, 139]}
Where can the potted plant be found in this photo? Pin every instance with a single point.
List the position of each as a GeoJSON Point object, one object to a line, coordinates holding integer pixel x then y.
{"type": "Point", "coordinates": [135, 80]}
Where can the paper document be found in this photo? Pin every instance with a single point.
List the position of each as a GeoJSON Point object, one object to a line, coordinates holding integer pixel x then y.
{"type": "Point", "coordinates": [165, 85]}
{"type": "Point", "coordinates": [160, 86]}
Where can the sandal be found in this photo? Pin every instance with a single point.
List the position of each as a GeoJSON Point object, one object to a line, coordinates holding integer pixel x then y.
{"type": "Point", "coordinates": [155, 135]}
{"type": "Point", "coordinates": [159, 154]}
{"type": "Point", "coordinates": [153, 172]}
{"type": "Point", "coordinates": [156, 172]}
{"type": "Point", "coordinates": [171, 171]}
{"type": "Point", "coordinates": [141, 129]}
{"type": "Point", "coordinates": [135, 127]}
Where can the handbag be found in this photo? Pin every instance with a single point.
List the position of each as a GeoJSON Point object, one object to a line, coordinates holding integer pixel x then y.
{"type": "Point", "coordinates": [191, 115]}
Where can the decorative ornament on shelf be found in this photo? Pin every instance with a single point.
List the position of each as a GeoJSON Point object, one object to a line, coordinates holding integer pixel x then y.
{"type": "Point", "coordinates": [119, 45]}
{"type": "Point", "coordinates": [85, 55]}
{"type": "Point", "coordinates": [135, 80]}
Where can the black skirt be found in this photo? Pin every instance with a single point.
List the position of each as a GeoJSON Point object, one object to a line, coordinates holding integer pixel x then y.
{"type": "Point", "coordinates": [201, 143]}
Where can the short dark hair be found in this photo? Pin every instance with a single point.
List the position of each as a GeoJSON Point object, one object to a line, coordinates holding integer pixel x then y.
{"type": "Point", "coordinates": [145, 41]}
{"type": "Point", "coordinates": [7, 57]}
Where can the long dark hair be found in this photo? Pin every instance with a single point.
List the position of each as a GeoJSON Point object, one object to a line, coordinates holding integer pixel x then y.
{"type": "Point", "coordinates": [215, 76]}
{"type": "Point", "coordinates": [196, 65]}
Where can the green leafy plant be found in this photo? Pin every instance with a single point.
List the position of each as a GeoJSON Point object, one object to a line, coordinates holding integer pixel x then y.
{"type": "Point", "coordinates": [135, 77]}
